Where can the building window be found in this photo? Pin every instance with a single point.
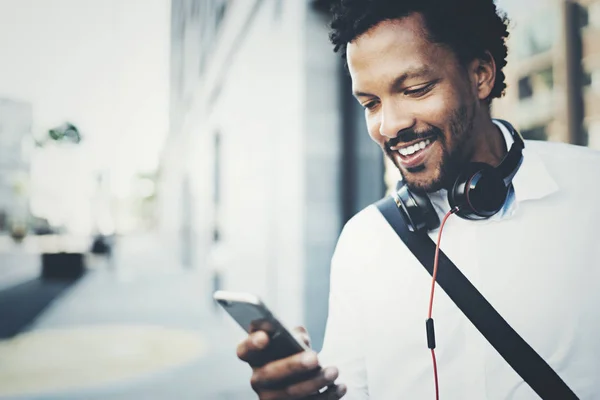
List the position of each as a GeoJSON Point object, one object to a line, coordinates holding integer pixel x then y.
{"type": "Point", "coordinates": [595, 80]}
{"type": "Point", "coordinates": [217, 184]}
{"type": "Point", "coordinates": [593, 135]}
{"type": "Point", "coordinates": [220, 12]}
{"type": "Point", "coordinates": [539, 34]}
{"type": "Point", "coordinates": [278, 10]}
{"type": "Point", "coordinates": [525, 88]}
{"type": "Point", "coordinates": [594, 14]}
{"type": "Point", "coordinates": [547, 78]}
{"type": "Point", "coordinates": [584, 16]}
{"type": "Point", "coordinates": [535, 133]}
{"type": "Point", "coordinates": [211, 18]}
{"type": "Point", "coordinates": [537, 83]}
{"type": "Point", "coordinates": [195, 9]}
{"type": "Point", "coordinates": [217, 169]}
{"type": "Point", "coordinates": [591, 79]}
{"type": "Point", "coordinates": [587, 79]}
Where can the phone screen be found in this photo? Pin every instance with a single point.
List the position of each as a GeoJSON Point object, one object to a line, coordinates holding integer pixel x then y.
{"type": "Point", "coordinates": [251, 317]}
{"type": "Point", "coordinates": [254, 317]}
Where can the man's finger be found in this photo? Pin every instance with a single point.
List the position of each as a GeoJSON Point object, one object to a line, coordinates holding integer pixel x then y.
{"type": "Point", "coordinates": [279, 370]}
{"type": "Point", "coordinates": [333, 393]}
{"type": "Point", "coordinates": [254, 343]}
{"type": "Point", "coordinates": [309, 388]}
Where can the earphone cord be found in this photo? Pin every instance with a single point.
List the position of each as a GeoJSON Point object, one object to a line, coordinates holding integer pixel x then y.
{"type": "Point", "coordinates": [429, 323]}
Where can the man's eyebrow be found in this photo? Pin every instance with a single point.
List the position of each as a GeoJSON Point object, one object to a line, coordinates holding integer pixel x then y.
{"type": "Point", "coordinates": [361, 94]}
{"type": "Point", "coordinates": [413, 73]}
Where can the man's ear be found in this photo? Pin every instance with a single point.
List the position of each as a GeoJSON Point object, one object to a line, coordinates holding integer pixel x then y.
{"type": "Point", "coordinates": [483, 71]}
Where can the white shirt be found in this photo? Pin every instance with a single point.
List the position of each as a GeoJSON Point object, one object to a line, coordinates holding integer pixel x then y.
{"type": "Point", "coordinates": [537, 262]}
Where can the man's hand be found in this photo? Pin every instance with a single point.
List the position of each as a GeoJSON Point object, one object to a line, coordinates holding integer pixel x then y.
{"type": "Point", "coordinates": [267, 379]}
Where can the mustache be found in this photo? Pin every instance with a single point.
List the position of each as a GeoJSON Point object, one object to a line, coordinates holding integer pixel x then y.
{"type": "Point", "coordinates": [411, 135]}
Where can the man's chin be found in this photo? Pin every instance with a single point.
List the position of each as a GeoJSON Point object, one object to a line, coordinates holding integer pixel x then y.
{"type": "Point", "coordinates": [427, 187]}
{"type": "Point", "coordinates": [421, 180]}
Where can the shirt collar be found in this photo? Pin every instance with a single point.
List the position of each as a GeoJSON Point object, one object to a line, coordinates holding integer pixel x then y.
{"type": "Point", "coordinates": [532, 181]}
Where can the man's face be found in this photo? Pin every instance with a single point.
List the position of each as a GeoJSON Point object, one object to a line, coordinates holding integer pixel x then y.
{"type": "Point", "coordinates": [418, 99]}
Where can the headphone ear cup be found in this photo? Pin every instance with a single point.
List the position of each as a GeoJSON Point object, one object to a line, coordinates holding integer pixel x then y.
{"type": "Point", "coordinates": [418, 210]}
{"type": "Point", "coordinates": [479, 192]}
{"type": "Point", "coordinates": [428, 214]}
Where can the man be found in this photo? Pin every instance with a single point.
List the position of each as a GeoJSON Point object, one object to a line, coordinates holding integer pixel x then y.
{"type": "Point", "coordinates": [426, 72]}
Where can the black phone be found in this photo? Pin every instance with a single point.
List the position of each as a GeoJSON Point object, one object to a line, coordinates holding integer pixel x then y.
{"type": "Point", "coordinates": [252, 315]}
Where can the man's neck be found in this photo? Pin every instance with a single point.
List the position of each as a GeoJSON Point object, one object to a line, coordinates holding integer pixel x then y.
{"type": "Point", "coordinates": [491, 146]}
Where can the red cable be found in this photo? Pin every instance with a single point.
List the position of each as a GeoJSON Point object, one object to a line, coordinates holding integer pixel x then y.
{"type": "Point", "coordinates": [435, 375]}
{"type": "Point", "coordinates": [434, 275]}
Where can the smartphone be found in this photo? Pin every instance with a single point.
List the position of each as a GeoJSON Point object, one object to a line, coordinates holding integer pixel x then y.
{"type": "Point", "coordinates": [252, 315]}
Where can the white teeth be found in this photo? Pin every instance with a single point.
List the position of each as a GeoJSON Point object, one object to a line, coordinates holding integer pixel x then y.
{"type": "Point", "coordinates": [407, 151]}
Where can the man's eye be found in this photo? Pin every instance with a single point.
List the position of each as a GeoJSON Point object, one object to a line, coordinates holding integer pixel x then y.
{"type": "Point", "coordinates": [370, 105]}
{"type": "Point", "coordinates": [419, 91]}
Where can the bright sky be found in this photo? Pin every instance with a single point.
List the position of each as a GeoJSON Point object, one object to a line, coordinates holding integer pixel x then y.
{"type": "Point", "coordinates": [102, 64]}
{"type": "Point", "coordinates": [515, 8]}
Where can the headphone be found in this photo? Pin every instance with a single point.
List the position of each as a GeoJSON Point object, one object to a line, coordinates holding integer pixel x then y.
{"type": "Point", "coordinates": [478, 193]}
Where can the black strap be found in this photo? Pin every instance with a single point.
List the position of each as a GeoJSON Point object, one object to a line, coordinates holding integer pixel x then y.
{"type": "Point", "coordinates": [521, 357]}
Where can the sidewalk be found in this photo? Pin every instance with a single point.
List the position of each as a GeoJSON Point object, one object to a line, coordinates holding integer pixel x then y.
{"type": "Point", "coordinates": [141, 331]}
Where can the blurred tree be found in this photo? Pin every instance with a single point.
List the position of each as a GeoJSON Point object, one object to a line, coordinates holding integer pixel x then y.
{"type": "Point", "coordinates": [66, 132]}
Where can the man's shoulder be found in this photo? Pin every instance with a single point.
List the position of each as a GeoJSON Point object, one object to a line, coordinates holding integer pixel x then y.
{"type": "Point", "coordinates": [365, 240]}
{"type": "Point", "coordinates": [364, 221]}
{"type": "Point", "coordinates": [564, 151]}
{"type": "Point", "coordinates": [573, 168]}
{"type": "Point", "coordinates": [362, 228]}
{"type": "Point", "coordinates": [565, 161]}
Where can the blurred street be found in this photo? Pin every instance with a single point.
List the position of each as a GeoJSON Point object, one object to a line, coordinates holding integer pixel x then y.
{"type": "Point", "coordinates": [144, 328]}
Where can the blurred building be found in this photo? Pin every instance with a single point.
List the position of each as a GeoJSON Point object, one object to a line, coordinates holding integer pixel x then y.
{"type": "Point", "coordinates": [15, 150]}
{"type": "Point", "coordinates": [553, 72]}
{"type": "Point", "coordinates": [268, 154]}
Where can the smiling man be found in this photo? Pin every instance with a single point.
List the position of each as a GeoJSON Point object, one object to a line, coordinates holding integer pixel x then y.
{"type": "Point", "coordinates": [427, 108]}
{"type": "Point", "coordinates": [426, 72]}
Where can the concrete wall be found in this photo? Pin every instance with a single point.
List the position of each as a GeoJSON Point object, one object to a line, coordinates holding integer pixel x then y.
{"type": "Point", "coordinates": [251, 94]}
{"type": "Point", "coordinates": [323, 177]}
{"type": "Point", "coordinates": [264, 133]}
{"type": "Point", "coordinates": [254, 102]}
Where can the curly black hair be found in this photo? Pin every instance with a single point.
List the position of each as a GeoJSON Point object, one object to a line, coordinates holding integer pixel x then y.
{"type": "Point", "coordinates": [468, 27]}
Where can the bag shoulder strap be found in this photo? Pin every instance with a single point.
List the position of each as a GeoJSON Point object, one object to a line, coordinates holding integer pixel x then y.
{"type": "Point", "coordinates": [521, 357]}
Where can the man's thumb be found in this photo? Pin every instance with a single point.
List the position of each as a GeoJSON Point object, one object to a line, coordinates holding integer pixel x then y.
{"type": "Point", "coordinates": [301, 333]}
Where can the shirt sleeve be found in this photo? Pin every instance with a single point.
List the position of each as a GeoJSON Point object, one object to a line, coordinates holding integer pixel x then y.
{"type": "Point", "coordinates": [343, 345]}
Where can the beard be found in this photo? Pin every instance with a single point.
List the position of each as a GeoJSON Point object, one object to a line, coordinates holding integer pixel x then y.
{"type": "Point", "coordinates": [432, 178]}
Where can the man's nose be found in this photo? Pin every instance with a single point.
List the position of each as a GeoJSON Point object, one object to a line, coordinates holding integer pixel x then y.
{"type": "Point", "coordinates": [394, 121]}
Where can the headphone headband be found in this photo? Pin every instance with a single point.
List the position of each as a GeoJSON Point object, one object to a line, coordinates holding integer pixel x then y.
{"type": "Point", "coordinates": [512, 160]}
